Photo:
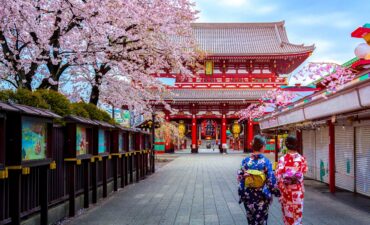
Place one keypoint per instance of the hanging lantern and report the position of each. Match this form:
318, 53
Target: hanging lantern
362, 51
236, 129
182, 129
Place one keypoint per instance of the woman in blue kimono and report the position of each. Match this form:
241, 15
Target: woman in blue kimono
257, 196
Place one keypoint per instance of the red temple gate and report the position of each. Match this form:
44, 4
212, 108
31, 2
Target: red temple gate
243, 62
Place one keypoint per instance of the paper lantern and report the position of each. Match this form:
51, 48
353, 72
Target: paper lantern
236, 129
362, 50
182, 129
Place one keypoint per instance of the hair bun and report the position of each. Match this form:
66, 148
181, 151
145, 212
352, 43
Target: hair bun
258, 142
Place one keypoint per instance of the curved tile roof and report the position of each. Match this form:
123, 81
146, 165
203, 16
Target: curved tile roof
245, 39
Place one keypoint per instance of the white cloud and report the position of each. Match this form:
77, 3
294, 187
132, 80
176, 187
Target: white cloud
236, 7
336, 20
263, 10
233, 3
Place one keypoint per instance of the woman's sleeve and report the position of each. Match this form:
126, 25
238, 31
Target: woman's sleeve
279, 169
303, 165
241, 178
271, 180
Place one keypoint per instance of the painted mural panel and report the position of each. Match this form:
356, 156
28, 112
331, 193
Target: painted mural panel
120, 142
102, 145
34, 139
131, 142
81, 141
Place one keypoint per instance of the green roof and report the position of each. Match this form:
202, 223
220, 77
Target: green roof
350, 62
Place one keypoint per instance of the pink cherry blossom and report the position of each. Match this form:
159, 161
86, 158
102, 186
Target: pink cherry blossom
106, 49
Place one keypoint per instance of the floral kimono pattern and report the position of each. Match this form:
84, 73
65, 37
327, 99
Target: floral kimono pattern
289, 173
256, 200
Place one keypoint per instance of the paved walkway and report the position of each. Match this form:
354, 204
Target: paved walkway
201, 189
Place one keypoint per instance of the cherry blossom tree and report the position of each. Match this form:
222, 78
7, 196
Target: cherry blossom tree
111, 47
155, 36
329, 75
41, 39
270, 101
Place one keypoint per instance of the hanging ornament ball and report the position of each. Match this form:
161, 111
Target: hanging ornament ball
362, 50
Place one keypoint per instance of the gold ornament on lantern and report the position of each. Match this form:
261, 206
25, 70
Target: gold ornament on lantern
236, 129
182, 129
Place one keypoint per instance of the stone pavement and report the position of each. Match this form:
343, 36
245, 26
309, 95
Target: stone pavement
201, 189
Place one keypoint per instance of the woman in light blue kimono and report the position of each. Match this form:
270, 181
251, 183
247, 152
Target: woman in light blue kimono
257, 199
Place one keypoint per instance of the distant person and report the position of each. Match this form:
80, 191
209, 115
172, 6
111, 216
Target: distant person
290, 171
257, 183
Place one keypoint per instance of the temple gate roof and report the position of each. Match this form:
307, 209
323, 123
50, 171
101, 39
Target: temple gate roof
231, 39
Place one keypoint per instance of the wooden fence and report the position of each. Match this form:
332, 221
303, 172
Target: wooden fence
71, 180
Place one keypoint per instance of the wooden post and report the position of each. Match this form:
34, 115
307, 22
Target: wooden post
125, 166
105, 185
331, 157
137, 166
71, 168
152, 157
94, 181
115, 172
43, 195
194, 144
131, 168
86, 165
15, 196
145, 159
122, 170
141, 165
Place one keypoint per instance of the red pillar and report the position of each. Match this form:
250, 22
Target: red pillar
300, 142
276, 147
223, 133
246, 147
194, 144
250, 134
331, 157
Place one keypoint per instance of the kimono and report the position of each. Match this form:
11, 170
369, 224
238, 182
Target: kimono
289, 173
257, 200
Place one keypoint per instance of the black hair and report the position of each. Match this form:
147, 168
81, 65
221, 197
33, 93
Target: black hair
258, 142
291, 143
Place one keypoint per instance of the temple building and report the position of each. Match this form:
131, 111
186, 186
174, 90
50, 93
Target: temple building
243, 61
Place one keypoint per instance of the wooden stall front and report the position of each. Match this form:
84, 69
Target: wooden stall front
28, 157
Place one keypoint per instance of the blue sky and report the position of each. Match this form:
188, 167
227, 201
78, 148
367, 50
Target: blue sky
326, 23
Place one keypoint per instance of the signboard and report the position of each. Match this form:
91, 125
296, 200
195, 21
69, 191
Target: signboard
102, 147
120, 142
122, 117
34, 136
81, 140
208, 67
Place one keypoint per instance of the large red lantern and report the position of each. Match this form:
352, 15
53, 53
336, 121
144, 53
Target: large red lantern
208, 129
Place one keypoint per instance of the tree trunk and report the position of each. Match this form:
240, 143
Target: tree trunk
94, 96
95, 90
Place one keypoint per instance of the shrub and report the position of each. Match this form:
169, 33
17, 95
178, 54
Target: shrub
57, 102
24, 97
97, 114
6, 95
78, 109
